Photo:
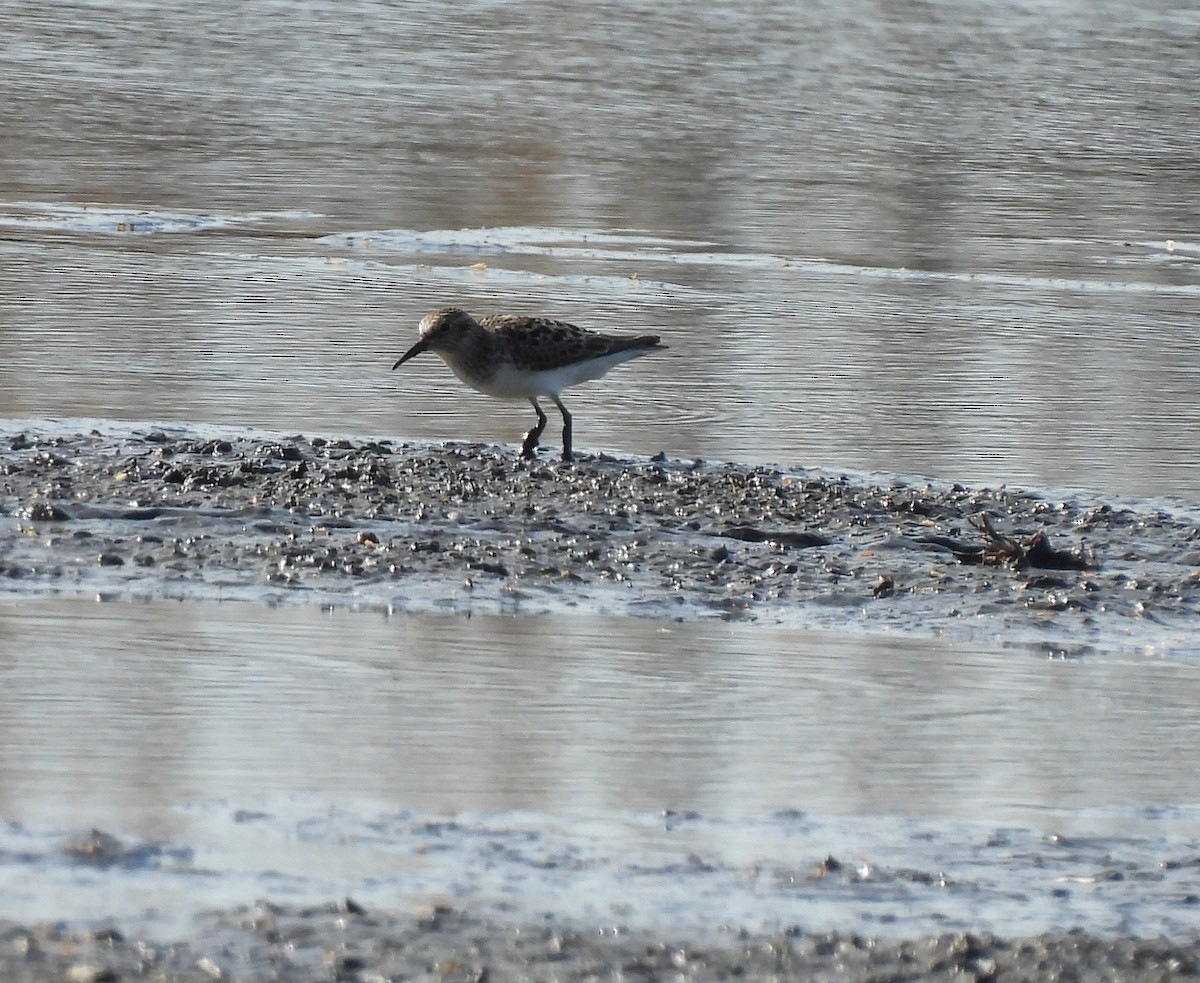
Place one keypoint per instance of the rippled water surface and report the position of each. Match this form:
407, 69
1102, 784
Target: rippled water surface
953, 240
655, 773
941, 239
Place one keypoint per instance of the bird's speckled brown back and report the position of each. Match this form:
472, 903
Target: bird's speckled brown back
549, 344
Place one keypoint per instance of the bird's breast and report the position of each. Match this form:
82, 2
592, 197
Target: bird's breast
483, 375
506, 381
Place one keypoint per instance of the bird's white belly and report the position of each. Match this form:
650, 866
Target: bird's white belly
509, 382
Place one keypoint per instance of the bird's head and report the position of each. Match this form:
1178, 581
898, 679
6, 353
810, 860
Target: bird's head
440, 331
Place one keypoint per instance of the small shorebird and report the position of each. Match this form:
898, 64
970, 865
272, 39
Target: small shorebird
524, 357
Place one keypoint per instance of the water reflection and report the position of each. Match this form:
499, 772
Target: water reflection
137, 709
939, 237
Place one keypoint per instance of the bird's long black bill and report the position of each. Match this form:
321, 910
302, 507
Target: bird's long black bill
416, 349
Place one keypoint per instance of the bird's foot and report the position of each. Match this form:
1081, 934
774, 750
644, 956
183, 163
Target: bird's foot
529, 447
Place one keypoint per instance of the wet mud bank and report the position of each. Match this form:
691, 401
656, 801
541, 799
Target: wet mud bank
347, 942
179, 513
129, 511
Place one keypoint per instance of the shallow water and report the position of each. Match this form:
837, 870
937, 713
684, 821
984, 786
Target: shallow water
939, 240
302, 754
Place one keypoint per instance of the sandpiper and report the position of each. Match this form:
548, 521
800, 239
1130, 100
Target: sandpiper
516, 357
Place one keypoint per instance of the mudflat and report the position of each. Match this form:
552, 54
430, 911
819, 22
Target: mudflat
346, 942
163, 513
151, 513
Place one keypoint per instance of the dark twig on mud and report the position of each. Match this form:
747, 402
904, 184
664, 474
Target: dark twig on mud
1034, 551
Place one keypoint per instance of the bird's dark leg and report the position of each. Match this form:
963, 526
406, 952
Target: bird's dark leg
567, 455
531, 438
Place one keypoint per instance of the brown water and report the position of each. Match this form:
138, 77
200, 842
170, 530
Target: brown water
946, 239
147, 706
666, 775
938, 239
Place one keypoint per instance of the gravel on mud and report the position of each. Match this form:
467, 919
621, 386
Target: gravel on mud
346, 942
181, 514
